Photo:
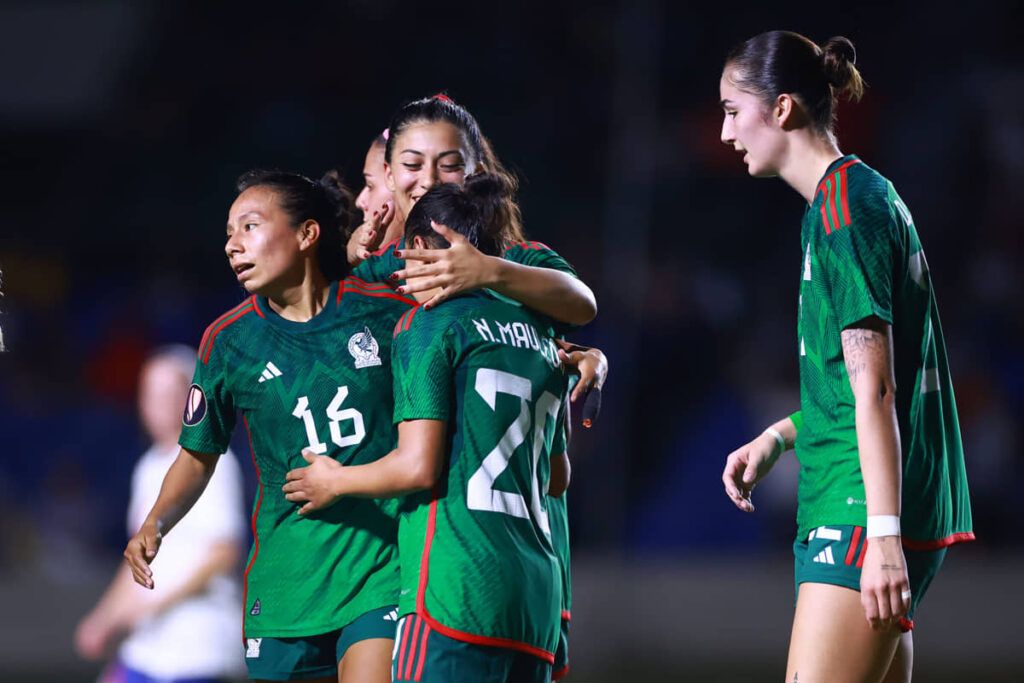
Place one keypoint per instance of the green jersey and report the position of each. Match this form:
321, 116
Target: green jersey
862, 257
324, 385
477, 559
558, 517
537, 254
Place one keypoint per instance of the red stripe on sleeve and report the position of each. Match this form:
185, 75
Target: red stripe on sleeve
853, 544
412, 314
224, 325
824, 214
833, 187
212, 326
843, 196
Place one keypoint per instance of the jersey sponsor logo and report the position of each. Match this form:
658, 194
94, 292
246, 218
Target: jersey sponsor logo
855, 501
252, 647
195, 406
364, 349
256, 608
269, 372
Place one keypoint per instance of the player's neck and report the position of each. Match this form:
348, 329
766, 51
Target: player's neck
396, 230
809, 157
301, 303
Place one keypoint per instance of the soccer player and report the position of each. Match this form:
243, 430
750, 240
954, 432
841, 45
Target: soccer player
882, 490
479, 400
306, 359
435, 140
377, 205
183, 630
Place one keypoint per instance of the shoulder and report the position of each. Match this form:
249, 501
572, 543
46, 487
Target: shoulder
229, 325
539, 255
854, 198
376, 295
428, 324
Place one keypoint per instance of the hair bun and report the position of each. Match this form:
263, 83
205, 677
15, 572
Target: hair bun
837, 59
488, 186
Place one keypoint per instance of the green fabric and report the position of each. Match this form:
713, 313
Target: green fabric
490, 370
325, 383
862, 257
824, 558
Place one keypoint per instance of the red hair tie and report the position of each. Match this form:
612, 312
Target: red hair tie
444, 98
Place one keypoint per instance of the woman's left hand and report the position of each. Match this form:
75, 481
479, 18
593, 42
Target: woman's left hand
459, 268
314, 484
590, 363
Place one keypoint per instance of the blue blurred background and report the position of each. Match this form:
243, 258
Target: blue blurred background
124, 124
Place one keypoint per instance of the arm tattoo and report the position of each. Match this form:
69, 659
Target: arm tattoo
866, 349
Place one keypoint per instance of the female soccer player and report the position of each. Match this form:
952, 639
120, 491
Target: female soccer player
882, 489
432, 141
306, 359
479, 397
377, 204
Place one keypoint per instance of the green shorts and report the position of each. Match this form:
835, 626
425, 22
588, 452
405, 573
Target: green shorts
834, 554
561, 667
285, 659
422, 654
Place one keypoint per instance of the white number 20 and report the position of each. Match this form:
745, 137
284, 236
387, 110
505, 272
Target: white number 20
480, 493
336, 416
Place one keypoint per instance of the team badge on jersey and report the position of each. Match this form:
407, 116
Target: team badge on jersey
364, 349
195, 406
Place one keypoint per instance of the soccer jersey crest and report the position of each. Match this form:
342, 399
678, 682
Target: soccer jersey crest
364, 349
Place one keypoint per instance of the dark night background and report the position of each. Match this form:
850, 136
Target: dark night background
124, 124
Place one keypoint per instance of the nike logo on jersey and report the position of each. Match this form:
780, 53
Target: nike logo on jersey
270, 372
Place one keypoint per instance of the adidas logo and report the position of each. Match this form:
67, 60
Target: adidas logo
392, 615
825, 556
270, 372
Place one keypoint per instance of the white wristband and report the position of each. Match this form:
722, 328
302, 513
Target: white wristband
778, 438
883, 525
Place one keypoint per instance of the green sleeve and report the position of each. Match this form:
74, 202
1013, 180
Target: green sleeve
422, 362
380, 265
797, 419
209, 416
538, 255
858, 263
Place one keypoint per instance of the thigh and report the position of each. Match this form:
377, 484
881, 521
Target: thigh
902, 666
363, 648
368, 661
832, 641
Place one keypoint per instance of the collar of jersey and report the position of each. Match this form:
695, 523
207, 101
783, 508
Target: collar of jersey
836, 164
318, 321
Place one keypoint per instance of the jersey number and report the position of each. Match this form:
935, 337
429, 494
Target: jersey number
336, 416
480, 493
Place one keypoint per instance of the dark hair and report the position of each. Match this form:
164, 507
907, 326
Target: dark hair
778, 62
482, 159
327, 201
473, 210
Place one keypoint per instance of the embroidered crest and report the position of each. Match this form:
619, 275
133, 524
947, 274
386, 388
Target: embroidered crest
364, 349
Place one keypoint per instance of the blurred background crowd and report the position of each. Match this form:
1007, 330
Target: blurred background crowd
124, 124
